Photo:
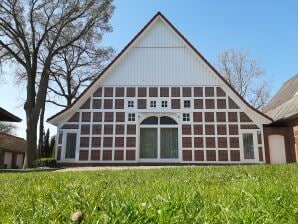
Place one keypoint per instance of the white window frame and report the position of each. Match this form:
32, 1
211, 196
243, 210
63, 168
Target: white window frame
189, 104
133, 103
164, 102
154, 103
132, 115
183, 117
255, 143
64, 140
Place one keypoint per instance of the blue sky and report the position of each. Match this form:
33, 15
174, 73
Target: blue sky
267, 29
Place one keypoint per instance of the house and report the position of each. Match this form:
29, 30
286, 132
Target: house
160, 102
12, 151
281, 139
12, 148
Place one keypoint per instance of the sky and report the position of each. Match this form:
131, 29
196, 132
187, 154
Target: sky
267, 29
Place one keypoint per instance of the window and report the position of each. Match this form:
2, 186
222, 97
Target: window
153, 103
186, 103
186, 117
248, 146
70, 151
130, 103
167, 120
150, 120
164, 103
131, 117
162, 120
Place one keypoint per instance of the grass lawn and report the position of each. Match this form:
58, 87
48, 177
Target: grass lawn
229, 194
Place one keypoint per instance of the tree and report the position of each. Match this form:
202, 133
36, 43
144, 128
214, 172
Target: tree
33, 32
246, 75
52, 146
7, 128
48, 146
74, 68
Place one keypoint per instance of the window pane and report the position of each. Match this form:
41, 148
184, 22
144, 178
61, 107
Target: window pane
167, 120
71, 145
150, 120
248, 146
168, 143
186, 103
148, 143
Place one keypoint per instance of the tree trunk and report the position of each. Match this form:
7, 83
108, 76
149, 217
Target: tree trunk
41, 131
31, 145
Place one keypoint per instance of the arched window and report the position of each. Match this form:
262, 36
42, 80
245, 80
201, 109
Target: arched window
150, 120
162, 120
167, 120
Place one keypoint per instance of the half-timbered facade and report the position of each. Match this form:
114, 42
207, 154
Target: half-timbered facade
160, 101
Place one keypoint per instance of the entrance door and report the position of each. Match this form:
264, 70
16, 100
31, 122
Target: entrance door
8, 159
148, 143
71, 145
159, 139
169, 143
277, 149
249, 146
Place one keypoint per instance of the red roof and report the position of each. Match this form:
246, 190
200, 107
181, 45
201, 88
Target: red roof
189, 44
12, 143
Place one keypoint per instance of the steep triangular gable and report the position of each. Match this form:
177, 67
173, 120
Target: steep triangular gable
157, 39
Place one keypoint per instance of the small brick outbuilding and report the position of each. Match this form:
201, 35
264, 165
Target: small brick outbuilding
281, 136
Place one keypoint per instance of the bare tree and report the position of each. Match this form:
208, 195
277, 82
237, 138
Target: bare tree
33, 32
7, 128
74, 68
246, 75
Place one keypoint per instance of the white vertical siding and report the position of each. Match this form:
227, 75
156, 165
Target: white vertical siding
160, 57
160, 66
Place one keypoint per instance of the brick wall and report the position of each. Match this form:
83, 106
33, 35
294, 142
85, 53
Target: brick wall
212, 134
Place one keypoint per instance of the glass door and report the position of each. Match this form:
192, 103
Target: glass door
159, 139
71, 145
148, 143
249, 146
169, 143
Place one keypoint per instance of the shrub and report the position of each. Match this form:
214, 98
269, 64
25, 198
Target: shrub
44, 162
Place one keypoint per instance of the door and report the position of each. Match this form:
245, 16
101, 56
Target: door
20, 159
169, 143
148, 143
249, 152
159, 139
248, 146
71, 145
7, 159
277, 149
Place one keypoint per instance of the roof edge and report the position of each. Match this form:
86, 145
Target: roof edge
12, 116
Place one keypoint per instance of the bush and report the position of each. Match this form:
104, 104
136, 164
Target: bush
44, 162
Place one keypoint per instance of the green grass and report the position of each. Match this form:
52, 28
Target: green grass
229, 194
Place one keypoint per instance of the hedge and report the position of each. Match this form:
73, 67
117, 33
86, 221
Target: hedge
44, 162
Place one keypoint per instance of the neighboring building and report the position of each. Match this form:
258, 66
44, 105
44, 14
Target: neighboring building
160, 102
12, 149
8, 117
282, 140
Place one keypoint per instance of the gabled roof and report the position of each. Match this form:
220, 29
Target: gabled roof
6, 116
159, 14
12, 143
284, 103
